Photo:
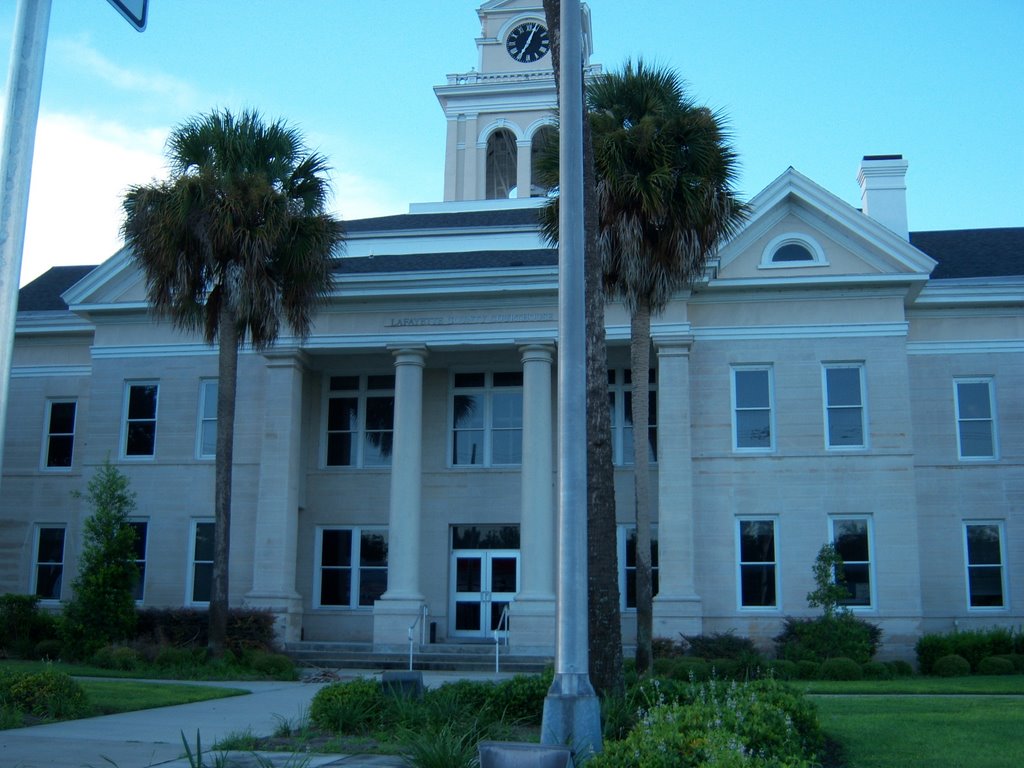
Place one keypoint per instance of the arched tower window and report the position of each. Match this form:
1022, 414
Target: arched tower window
538, 146
501, 164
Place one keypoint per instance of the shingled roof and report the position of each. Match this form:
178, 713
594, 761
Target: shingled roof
458, 261
973, 252
454, 220
43, 293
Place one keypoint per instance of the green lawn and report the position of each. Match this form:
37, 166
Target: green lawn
925, 731
976, 684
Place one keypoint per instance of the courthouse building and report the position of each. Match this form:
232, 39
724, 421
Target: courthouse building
832, 376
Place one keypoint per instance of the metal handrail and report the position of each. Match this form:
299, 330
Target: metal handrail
502, 621
421, 619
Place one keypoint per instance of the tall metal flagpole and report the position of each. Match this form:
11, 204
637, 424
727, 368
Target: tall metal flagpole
572, 712
24, 86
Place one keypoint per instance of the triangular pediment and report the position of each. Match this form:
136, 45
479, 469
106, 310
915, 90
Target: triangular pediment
834, 241
116, 283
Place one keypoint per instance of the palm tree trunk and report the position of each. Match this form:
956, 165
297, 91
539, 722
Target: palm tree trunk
604, 633
640, 362
227, 359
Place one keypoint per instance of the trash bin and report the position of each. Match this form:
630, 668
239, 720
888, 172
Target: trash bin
512, 754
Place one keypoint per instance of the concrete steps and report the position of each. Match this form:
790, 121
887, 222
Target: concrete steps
448, 657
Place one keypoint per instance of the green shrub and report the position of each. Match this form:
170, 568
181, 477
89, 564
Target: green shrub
116, 657
900, 668
825, 637
183, 659
23, 626
47, 650
719, 645
876, 670
1017, 659
840, 668
783, 669
974, 645
808, 670
688, 668
951, 666
353, 707
274, 665
48, 694
995, 665
664, 648
463, 699
521, 699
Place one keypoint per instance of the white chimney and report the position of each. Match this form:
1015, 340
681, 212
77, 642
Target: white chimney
883, 191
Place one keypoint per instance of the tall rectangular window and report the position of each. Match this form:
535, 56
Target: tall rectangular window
141, 528
206, 428
487, 419
59, 445
975, 425
200, 562
49, 565
844, 405
757, 564
852, 539
351, 567
752, 408
984, 555
620, 408
627, 571
360, 421
139, 434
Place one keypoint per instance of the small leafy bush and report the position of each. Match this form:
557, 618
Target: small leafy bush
719, 645
47, 650
973, 645
117, 657
665, 648
841, 668
521, 699
951, 666
48, 694
877, 670
900, 668
783, 669
808, 670
353, 707
687, 668
995, 665
174, 658
248, 628
1017, 659
825, 637
461, 699
275, 665
23, 626
447, 746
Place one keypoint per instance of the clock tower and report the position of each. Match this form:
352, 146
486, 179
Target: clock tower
500, 113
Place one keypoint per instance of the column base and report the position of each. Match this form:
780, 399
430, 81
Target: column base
286, 608
532, 626
676, 615
392, 618
572, 716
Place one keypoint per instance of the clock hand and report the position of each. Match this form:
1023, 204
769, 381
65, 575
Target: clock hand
530, 38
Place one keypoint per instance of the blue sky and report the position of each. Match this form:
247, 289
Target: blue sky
815, 85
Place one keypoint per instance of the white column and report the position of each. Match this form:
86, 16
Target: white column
277, 506
532, 624
399, 606
524, 170
677, 608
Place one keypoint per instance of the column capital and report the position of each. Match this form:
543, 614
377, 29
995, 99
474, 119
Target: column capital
286, 357
671, 344
409, 354
537, 351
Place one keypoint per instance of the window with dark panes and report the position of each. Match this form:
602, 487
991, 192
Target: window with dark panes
360, 421
852, 540
985, 588
757, 564
60, 434
620, 407
140, 420
206, 440
975, 426
141, 529
352, 567
627, 588
487, 419
201, 562
49, 567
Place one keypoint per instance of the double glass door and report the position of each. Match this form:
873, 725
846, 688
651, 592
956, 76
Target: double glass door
484, 582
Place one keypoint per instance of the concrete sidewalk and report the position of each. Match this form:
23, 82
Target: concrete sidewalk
152, 737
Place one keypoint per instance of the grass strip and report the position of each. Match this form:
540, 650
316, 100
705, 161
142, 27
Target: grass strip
978, 684
925, 731
109, 697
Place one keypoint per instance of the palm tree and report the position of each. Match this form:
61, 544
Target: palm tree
665, 171
234, 242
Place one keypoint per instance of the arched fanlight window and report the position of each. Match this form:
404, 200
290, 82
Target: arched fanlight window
501, 164
793, 249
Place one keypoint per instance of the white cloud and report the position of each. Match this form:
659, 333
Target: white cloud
80, 172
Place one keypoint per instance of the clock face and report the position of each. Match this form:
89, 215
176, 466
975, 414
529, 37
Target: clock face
528, 42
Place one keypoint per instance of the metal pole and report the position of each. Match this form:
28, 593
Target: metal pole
24, 86
572, 712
